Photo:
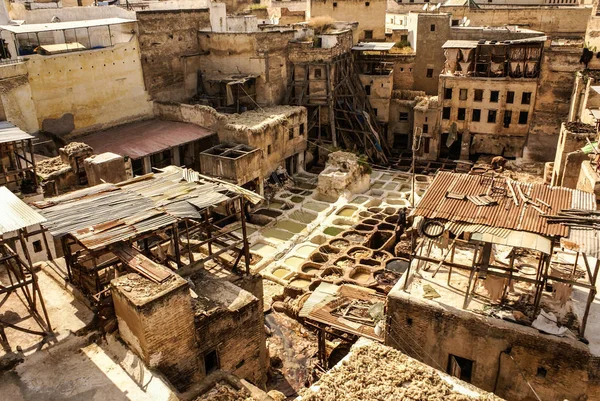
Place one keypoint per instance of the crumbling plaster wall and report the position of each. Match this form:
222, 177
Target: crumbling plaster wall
370, 15
272, 139
19, 12
167, 39
257, 53
570, 371
16, 97
83, 91
381, 93
553, 100
401, 119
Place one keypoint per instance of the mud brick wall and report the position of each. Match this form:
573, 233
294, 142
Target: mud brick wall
239, 339
160, 329
557, 368
166, 37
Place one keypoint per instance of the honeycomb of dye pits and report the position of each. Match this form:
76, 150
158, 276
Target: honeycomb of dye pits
343, 222
371, 222
355, 237
332, 274
375, 209
285, 195
260, 219
277, 205
359, 252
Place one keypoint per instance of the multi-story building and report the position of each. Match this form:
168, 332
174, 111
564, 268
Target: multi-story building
488, 92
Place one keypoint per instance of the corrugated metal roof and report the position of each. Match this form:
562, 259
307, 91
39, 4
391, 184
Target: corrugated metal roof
10, 133
16, 214
504, 214
109, 213
144, 138
58, 26
583, 239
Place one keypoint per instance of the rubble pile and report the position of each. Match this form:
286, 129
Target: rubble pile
225, 392
343, 172
376, 372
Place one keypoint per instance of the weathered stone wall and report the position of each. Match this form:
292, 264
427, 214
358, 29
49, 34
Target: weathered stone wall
553, 21
370, 15
167, 37
553, 101
259, 53
159, 329
557, 368
489, 137
17, 102
272, 139
428, 46
381, 93
306, 52
79, 92
403, 71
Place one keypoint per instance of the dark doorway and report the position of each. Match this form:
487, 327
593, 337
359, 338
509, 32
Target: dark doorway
452, 151
460, 367
211, 362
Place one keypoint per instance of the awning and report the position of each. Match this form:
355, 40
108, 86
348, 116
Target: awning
16, 214
60, 26
10, 133
374, 46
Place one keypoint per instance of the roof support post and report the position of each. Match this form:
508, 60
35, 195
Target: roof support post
591, 296
244, 234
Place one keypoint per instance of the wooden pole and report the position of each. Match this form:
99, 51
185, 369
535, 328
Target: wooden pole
591, 296
244, 235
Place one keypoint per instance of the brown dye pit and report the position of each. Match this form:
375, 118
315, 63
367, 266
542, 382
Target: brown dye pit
355, 238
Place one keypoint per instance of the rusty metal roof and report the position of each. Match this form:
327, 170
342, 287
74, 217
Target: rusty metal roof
144, 138
320, 306
10, 133
109, 213
16, 214
505, 213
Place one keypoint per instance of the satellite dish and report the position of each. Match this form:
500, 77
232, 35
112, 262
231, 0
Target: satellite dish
432, 7
468, 22
438, 6
464, 19
425, 7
